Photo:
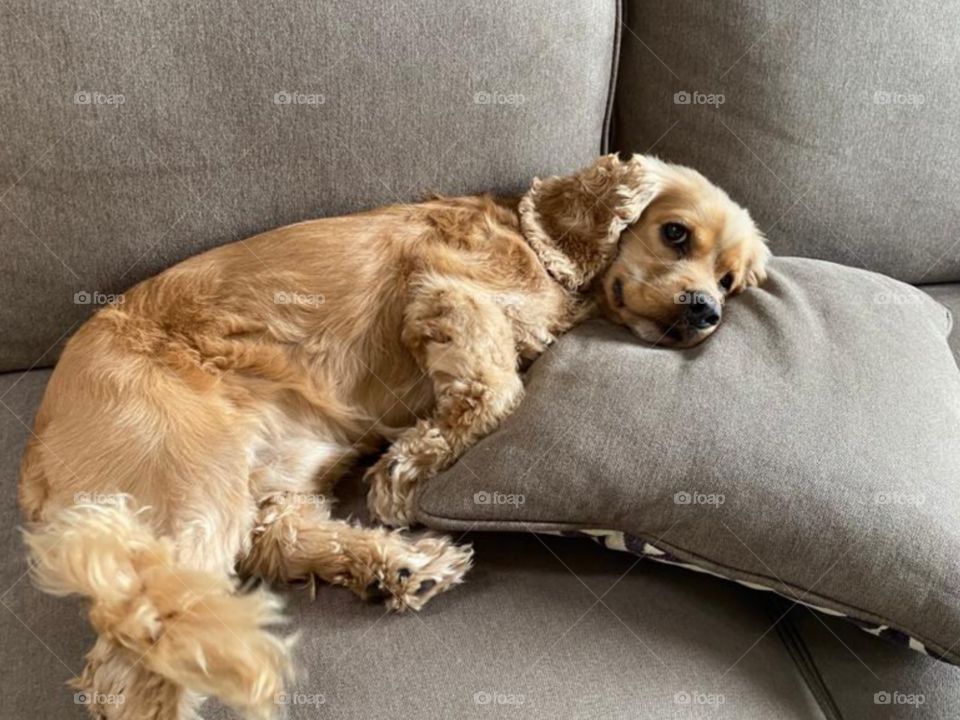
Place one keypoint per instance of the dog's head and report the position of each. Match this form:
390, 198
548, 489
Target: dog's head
661, 245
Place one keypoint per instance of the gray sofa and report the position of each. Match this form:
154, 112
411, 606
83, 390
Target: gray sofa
821, 133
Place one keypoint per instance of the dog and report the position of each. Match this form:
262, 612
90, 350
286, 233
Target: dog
197, 429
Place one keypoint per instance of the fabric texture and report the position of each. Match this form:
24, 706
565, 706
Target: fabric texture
948, 295
526, 622
837, 127
241, 117
809, 447
863, 678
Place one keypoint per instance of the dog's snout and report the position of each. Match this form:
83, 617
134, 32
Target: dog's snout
703, 311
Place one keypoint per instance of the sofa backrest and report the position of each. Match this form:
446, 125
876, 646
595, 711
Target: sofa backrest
838, 126
135, 135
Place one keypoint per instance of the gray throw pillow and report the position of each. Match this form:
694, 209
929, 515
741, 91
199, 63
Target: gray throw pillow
811, 447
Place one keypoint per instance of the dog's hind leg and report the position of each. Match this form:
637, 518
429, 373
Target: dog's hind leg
164, 473
468, 350
295, 541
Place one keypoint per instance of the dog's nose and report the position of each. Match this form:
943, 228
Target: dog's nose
703, 311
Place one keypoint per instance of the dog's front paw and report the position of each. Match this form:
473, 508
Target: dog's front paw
390, 499
393, 479
413, 572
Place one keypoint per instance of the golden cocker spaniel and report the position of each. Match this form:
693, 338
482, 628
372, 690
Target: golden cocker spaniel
199, 427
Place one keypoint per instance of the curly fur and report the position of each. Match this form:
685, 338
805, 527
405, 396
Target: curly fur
188, 627
213, 406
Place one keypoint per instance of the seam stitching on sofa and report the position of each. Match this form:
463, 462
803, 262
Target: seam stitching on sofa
620, 17
800, 654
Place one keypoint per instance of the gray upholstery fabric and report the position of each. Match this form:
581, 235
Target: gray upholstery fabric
800, 138
847, 669
948, 295
528, 621
825, 411
94, 197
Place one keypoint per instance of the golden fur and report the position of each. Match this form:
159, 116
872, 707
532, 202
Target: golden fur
205, 416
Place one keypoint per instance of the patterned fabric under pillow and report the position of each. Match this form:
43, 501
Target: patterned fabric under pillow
616, 540
810, 448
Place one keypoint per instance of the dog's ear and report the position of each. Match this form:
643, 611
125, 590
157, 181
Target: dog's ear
574, 222
751, 270
757, 261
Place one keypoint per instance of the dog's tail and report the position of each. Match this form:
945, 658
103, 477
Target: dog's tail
188, 626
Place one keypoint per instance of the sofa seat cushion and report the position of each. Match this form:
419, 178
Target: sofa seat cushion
572, 629
859, 677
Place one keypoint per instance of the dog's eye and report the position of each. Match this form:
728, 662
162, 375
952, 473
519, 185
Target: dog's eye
726, 282
675, 234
